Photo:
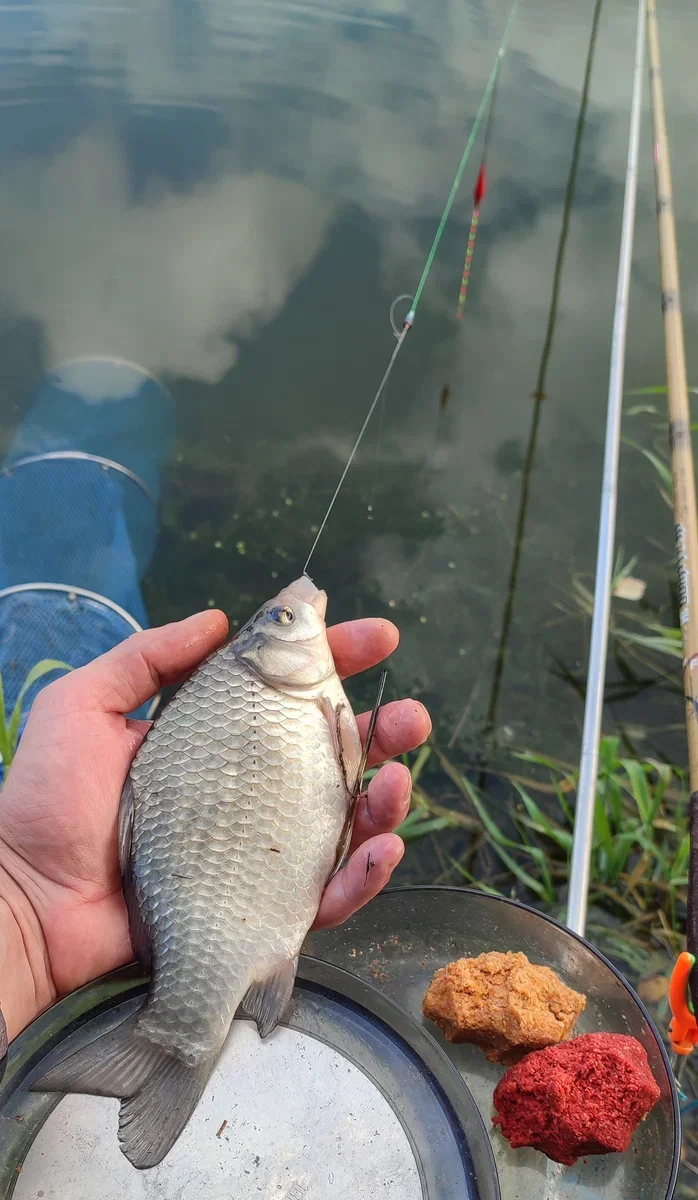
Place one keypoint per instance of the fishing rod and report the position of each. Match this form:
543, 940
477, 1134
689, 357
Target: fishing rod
408, 321
539, 393
580, 867
478, 197
684, 986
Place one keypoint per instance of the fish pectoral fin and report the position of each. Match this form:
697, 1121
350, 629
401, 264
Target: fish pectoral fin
158, 1092
344, 840
267, 1000
140, 938
125, 823
347, 747
345, 741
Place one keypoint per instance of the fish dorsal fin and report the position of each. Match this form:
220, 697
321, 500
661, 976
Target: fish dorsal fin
267, 1000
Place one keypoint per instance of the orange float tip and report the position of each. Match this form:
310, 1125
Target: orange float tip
683, 1028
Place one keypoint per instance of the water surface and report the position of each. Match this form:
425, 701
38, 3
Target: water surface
232, 194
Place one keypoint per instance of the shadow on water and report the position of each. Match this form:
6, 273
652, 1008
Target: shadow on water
232, 197
538, 397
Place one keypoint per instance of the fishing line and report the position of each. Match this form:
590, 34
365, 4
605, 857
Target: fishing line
466, 155
396, 330
408, 322
357, 443
379, 445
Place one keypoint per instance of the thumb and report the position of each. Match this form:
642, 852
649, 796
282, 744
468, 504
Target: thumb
135, 670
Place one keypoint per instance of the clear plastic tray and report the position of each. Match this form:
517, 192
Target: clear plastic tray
349, 1098
402, 937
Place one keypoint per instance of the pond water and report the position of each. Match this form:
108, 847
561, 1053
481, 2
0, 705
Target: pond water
232, 194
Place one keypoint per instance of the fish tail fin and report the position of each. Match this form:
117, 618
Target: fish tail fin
158, 1092
151, 1120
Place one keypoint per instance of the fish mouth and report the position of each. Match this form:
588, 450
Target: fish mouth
304, 589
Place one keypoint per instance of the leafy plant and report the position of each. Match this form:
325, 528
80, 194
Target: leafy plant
641, 839
662, 468
663, 639
658, 456
9, 726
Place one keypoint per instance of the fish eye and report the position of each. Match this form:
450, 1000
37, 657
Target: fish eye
283, 616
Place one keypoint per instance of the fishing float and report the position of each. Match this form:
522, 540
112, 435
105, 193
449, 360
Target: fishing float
409, 319
478, 197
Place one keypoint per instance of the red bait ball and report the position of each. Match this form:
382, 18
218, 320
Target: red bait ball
585, 1096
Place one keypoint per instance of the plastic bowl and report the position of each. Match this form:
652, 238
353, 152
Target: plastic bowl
403, 936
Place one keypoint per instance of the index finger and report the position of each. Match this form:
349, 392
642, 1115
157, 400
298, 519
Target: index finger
358, 645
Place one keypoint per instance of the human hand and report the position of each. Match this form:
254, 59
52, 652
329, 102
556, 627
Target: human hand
63, 919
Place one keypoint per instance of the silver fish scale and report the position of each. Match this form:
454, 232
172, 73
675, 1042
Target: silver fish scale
239, 802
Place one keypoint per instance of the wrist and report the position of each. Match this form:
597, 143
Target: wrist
26, 983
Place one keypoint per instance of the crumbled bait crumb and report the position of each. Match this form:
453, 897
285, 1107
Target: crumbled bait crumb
502, 1003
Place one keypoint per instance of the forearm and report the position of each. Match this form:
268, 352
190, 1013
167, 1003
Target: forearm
26, 985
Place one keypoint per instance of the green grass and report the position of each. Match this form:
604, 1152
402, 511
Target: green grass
10, 723
520, 843
640, 848
638, 630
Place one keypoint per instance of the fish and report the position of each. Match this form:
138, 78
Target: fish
445, 396
237, 809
